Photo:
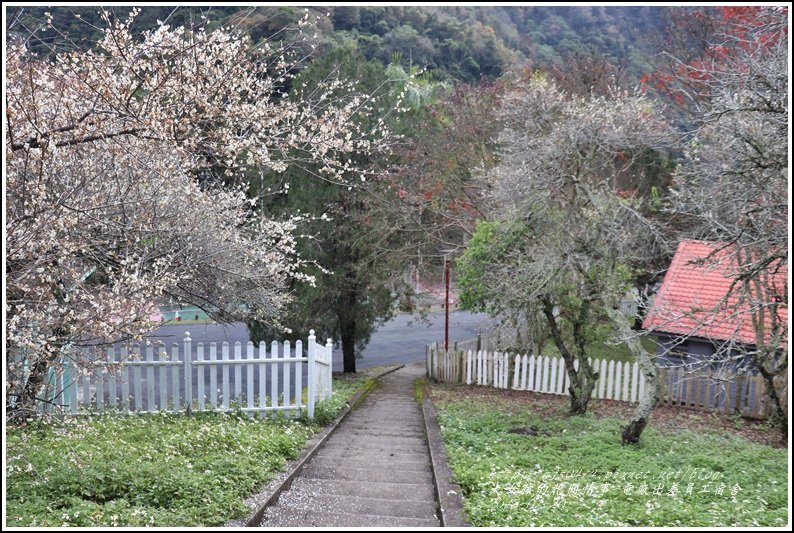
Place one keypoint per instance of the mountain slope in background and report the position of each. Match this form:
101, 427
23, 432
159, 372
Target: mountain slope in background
459, 43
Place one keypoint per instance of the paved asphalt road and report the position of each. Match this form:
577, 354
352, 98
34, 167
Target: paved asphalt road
401, 340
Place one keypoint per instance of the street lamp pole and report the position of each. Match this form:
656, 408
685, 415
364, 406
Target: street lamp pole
446, 253
446, 304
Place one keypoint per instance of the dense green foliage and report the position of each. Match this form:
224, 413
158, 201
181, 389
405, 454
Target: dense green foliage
469, 43
513, 480
491, 240
458, 42
345, 239
151, 470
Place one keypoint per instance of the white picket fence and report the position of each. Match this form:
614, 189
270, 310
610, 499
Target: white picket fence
149, 379
531, 373
701, 390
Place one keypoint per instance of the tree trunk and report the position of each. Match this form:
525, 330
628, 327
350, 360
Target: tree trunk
779, 414
581, 390
25, 407
648, 371
348, 335
582, 381
347, 326
767, 327
631, 433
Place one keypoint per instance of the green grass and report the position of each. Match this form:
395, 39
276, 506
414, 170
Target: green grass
604, 350
158, 470
517, 480
419, 390
601, 349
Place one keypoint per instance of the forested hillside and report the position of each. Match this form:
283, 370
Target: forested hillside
471, 42
457, 43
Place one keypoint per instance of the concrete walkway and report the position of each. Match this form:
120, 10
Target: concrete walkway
374, 470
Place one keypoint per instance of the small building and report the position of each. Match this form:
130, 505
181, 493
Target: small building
696, 316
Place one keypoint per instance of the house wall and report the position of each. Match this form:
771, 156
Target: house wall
693, 352
698, 353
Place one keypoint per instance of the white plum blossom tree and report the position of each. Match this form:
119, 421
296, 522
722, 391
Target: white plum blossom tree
733, 183
568, 230
122, 167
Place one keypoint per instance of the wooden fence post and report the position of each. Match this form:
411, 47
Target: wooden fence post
662, 385
112, 395
187, 354
298, 376
225, 377
329, 347
70, 377
285, 392
199, 377
150, 405
311, 375
249, 378
136, 377
274, 376
125, 381
176, 397
163, 374
238, 373
213, 369
263, 380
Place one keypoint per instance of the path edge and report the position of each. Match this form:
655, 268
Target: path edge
448, 493
282, 482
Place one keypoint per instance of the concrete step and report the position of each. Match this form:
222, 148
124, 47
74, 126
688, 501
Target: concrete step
393, 401
415, 424
352, 446
308, 501
391, 417
418, 492
418, 421
392, 433
366, 475
384, 455
390, 398
394, 410
384, 410
385, 426
291, 517
343, 434
373, 461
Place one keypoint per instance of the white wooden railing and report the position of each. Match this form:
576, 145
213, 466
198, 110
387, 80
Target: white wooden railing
150, 379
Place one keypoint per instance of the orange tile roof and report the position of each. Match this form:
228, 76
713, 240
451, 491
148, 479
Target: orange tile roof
692, 299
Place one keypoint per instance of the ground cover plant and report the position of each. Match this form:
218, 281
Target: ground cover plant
152, 469
573, 471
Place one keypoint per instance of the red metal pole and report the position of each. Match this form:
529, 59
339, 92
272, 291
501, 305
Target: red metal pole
446, 305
